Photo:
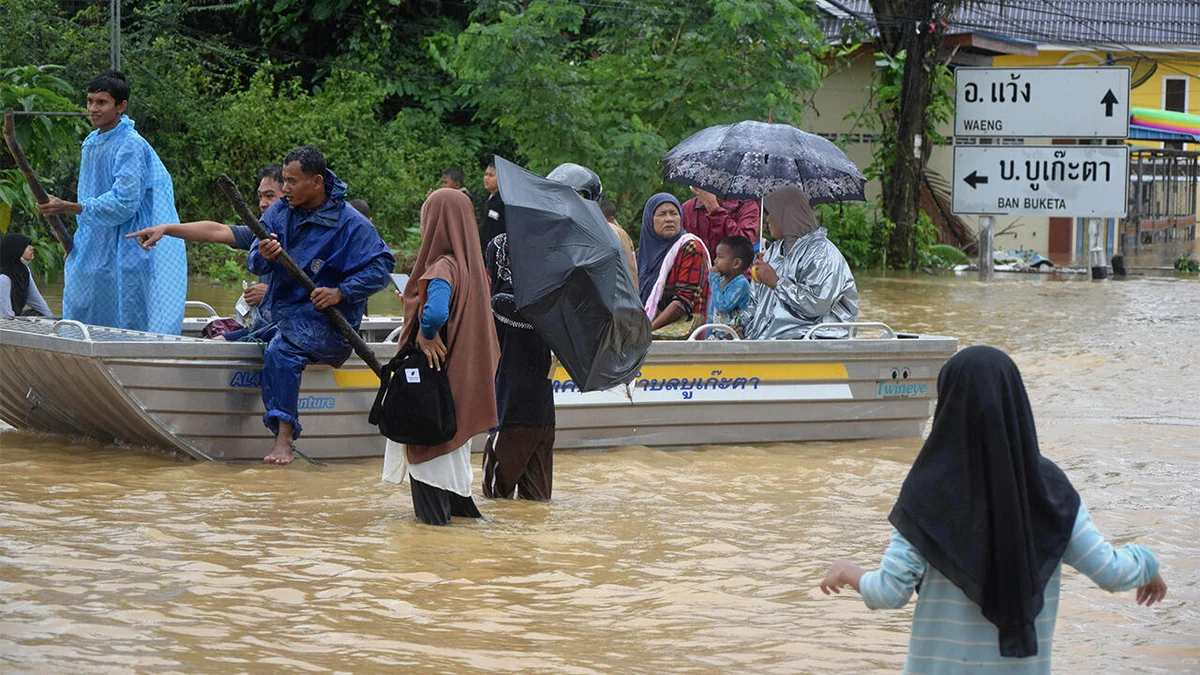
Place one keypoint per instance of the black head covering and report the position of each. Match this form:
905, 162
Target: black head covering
12, 247
981, 503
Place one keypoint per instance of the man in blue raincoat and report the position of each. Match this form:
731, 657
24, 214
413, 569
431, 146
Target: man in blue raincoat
123, 188
339, 249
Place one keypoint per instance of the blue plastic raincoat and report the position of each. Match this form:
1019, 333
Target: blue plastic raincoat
337, 247
110, 280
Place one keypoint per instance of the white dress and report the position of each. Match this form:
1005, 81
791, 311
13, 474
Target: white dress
451, 471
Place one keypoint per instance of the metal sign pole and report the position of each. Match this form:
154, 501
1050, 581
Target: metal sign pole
114, 34
987, 235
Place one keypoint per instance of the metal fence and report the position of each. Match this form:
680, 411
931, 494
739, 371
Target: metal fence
1163, 190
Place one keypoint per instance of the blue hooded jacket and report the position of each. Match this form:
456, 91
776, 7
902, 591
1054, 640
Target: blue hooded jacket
110, 280
337, 247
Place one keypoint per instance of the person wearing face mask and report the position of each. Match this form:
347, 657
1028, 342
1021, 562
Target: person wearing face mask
672, 270
17, 289
801, 279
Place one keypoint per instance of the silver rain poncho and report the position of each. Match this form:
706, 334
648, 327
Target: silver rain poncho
815, 286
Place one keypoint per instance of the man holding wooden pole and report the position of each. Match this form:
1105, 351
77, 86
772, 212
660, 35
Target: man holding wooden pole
123, 187
341, 252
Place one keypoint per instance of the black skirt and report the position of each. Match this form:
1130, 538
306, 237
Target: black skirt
434, 506
524, 393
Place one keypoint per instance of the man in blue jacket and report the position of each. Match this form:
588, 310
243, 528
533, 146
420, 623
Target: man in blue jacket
339, 249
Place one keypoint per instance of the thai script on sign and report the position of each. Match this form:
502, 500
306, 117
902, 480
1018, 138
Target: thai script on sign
685, 385
1056, 170
1001, 92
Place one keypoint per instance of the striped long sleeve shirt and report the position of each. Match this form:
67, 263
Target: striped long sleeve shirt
949, 632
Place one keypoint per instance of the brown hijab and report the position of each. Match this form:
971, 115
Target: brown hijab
790, 210
450, 251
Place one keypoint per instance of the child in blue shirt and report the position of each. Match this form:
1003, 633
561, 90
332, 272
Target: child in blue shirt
729, 289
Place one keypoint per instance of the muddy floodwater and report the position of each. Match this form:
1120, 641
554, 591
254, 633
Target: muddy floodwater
703, 561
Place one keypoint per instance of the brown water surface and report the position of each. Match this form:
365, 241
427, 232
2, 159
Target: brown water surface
646, 562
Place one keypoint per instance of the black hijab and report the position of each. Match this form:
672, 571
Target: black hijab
12, 247
981, 503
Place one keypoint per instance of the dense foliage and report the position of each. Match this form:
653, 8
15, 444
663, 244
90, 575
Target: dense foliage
396, 90
48, 143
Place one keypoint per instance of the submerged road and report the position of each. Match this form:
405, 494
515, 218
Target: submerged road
703, 561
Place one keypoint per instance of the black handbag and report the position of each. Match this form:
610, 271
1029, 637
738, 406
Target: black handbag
414, 404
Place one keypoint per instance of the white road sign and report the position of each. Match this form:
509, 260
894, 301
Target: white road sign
1047, 102
1057, 180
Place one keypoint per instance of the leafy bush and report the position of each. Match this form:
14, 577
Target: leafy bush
390, 163
47, 142
1187, 265
942, 256
858, 231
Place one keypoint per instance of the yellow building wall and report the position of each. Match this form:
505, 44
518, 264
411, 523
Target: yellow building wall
1146, 95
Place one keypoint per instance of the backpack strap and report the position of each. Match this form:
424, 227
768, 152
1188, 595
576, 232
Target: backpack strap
385, 382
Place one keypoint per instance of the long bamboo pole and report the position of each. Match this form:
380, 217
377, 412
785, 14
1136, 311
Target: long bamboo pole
57, 227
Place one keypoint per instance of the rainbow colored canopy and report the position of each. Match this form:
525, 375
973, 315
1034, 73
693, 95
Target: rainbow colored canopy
1166, 121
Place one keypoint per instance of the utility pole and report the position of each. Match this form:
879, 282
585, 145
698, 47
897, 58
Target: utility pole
912, 27
114, 34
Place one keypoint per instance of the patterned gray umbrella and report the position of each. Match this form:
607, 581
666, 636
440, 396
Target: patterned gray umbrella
749, 160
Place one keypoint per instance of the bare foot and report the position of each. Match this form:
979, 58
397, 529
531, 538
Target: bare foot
280, 454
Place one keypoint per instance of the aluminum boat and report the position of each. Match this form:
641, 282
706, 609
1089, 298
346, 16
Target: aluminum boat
201, 397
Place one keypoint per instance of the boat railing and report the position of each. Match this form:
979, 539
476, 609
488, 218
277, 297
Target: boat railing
81, 327
394, 336
852, 327
717, 327
196, 304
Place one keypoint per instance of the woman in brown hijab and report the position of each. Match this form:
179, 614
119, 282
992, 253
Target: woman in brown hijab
448, 301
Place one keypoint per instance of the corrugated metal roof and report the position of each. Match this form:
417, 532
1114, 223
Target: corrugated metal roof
1094, 23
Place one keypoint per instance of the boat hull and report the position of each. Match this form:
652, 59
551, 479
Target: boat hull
201, 397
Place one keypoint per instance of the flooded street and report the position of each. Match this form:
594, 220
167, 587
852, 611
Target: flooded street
704, 561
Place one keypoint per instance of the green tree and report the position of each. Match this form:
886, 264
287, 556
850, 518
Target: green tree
909, 33
614, 86
47, 141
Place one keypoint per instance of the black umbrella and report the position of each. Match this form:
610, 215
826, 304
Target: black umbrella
749, 160
570, 279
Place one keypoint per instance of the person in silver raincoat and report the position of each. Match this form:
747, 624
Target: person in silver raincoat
802, 279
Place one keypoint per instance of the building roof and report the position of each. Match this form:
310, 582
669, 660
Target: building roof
1104, 24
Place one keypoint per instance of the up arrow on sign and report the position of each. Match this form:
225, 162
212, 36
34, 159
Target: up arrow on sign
1109, 101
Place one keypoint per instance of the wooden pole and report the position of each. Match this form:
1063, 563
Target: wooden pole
987, 237
335, 317
57, 227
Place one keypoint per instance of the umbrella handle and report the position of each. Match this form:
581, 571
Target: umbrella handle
762, 210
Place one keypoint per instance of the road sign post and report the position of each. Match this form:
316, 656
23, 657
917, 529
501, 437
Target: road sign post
987, 238
1042, 102
1064, 180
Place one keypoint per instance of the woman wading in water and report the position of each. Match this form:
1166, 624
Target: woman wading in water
448, 289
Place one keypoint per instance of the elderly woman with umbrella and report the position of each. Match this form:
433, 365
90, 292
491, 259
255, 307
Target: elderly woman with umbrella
802, 279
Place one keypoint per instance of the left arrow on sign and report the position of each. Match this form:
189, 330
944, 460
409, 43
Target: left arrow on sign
1109, 100
974, 179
